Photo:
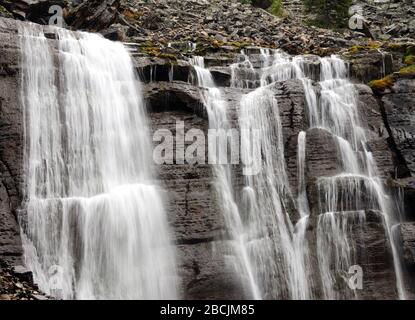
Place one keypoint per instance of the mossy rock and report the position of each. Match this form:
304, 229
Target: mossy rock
240, 45
370, 46
409, 60
382, 84
410, 50
404, 48
4, 13
167, 56
407, 71
355, 49
397, 47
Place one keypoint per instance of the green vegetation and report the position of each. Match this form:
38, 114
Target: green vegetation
5, 13
409, 60
388, 81
407, 71
405, 48
276, 8
371, 45
329, 13
237, 44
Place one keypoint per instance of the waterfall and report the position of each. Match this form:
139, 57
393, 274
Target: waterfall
271, 244
95, 226
358, 187
302, 201
218, 120
271, 235
270, 252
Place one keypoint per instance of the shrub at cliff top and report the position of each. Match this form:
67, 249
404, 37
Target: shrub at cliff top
329, 13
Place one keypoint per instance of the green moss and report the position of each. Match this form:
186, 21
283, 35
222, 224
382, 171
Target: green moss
240, 45
409, 60
147, 43
382, 84
329, 14
5, 13
150, 48
371, 45
168, 56
397, 47
410, 50
356, 49
151, 51
277, 9
407, 71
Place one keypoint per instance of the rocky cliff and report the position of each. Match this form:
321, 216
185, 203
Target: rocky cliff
159, 33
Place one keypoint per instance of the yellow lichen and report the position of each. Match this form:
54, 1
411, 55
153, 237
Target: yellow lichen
131, 15
382, 84
237, 44
168, 56
356, 49
371, 45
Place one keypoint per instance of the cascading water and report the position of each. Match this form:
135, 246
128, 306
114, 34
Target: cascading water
218, 120
270, 240
276, 251
358, 187
94, 226
302, 201
269, 251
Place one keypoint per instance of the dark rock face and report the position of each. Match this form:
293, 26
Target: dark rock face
407, 231
366, 67
11, 143
375, 258
93, 15
399, 106
398, 113
378, 144
198, 226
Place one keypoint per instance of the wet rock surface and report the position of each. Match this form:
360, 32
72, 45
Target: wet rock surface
11, 143
220, 29
399, 108
407, 231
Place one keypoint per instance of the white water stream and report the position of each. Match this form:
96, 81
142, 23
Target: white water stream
95, 224
272, 252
